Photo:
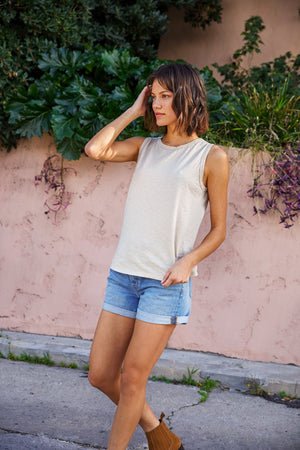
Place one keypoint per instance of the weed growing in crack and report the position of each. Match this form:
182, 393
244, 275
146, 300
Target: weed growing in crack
205, 387
255, 388
35, 359
72, 366
25, 357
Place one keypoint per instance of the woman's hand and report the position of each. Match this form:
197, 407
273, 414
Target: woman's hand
179, 272
139, 106
104, 145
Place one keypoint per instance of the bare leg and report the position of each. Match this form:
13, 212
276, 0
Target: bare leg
111, 340
146, 345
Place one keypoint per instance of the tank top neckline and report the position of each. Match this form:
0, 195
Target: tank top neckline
176, 147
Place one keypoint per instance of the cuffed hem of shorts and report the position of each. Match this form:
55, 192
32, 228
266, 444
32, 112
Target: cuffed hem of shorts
119, 311
161, 320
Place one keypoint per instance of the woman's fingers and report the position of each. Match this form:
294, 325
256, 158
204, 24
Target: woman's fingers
141, 101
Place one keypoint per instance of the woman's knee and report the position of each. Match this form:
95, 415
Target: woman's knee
96, 379
132, 381
101, 380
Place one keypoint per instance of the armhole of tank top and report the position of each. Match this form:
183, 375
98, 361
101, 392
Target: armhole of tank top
202, 167
147, 139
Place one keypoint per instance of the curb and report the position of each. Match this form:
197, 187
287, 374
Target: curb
232, 373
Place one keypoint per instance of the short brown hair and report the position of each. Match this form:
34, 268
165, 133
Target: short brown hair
189, 102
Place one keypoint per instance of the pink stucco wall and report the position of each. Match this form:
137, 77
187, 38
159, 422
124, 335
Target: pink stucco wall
220, 40
52, 277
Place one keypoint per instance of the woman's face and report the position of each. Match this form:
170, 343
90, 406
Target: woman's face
162, 101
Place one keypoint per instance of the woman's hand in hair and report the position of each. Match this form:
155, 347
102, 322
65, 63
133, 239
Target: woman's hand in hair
179, 272
140, 104
104, 145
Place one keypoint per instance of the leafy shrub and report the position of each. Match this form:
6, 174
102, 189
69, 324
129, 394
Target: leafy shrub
200, 13
271, 74
79, 93
263, 101
29, 28
264, 119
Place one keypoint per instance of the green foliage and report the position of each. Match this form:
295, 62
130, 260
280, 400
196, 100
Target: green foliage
205, 387
138, 25
234, 75
282, 394
27, 29
72, 366
36, 32
72, 88
203, 12
30, 109
253, 27
272, 74
264, 118
215, 99
80, 92
26, 357
262, 101
188, 379
76, 101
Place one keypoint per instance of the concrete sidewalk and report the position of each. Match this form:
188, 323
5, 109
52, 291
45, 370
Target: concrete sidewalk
54, 408
230, 372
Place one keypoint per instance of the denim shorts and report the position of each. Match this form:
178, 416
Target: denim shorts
146, 299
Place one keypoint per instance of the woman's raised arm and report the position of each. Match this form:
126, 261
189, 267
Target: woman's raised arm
103, 145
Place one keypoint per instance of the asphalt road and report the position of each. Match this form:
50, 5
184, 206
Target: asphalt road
55, 408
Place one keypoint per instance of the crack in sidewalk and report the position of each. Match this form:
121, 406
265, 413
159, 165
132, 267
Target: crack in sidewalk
170, 416
42, 435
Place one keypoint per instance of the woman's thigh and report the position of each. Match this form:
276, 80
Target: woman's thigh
111, 340
146, 346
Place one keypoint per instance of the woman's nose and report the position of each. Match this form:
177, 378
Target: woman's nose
156, 103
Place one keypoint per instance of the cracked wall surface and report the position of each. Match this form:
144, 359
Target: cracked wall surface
53, 275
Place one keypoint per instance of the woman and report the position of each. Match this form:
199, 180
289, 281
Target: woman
149, 286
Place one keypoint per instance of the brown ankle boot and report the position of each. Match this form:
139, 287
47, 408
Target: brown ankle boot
161, 438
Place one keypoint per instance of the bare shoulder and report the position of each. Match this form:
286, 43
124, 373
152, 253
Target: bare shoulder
217, 160
217, 155
216, 166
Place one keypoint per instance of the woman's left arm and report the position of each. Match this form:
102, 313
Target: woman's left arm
216, 175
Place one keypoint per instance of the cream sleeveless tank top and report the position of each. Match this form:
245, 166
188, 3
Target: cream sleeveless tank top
165, 205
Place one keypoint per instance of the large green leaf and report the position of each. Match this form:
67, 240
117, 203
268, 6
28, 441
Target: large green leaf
37, 119
15, 105
122, 65
31, 114
73, 147
64, 60
63, 126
